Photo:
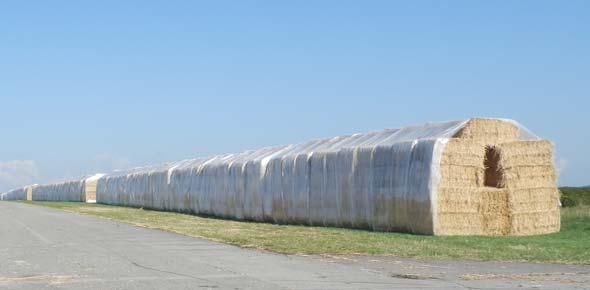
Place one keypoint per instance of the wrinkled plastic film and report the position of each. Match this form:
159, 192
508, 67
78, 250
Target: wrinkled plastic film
385, 180
374, 180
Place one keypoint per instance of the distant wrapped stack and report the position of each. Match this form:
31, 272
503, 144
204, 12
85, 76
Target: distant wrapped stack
77, 189
16, 194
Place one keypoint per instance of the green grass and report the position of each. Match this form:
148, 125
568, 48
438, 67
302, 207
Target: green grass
571, 245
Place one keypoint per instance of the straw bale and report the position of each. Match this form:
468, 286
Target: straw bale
462, 163
459, 224
535, 222
494, 211
493, 130
457, 212
457, 200
90, 190
535, 211
526, 153
29, 191
515, 181
473, 211
461, 176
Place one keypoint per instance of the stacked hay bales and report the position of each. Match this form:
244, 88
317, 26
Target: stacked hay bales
493, 183
530, 178
377, 180
469, 177
448, 178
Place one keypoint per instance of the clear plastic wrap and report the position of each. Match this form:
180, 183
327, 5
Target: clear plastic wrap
385, 180
380, 180
15, 194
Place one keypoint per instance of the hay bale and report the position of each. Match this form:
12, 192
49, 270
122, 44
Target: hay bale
29, 191
492, 130
494, 211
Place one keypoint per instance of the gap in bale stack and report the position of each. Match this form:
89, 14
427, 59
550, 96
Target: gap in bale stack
494, 175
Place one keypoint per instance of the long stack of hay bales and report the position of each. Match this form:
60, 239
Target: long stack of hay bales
438, 178
146, 187
378, 180
16, 194
470, 177
77, 189
70, 190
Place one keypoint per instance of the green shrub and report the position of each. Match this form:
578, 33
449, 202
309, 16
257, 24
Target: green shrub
573, 196
567, 201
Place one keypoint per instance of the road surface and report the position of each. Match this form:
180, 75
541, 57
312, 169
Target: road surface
43, 248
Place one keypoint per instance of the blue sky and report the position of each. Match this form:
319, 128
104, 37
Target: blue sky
89, 86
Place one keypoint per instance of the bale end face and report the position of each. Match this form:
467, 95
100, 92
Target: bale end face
501, 187
90, 191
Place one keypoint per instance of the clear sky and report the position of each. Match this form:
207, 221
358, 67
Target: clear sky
89, 86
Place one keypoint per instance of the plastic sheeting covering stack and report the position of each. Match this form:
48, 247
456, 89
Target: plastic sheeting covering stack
379, 180
387, 180
470, 177
16, 194
71, 190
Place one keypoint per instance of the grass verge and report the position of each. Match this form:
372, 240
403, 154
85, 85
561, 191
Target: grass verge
571, 245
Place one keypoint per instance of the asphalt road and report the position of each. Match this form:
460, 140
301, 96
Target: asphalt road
42, 248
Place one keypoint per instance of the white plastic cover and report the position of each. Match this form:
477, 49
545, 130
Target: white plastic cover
16, 194
345, 181
381, 180
70, 190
